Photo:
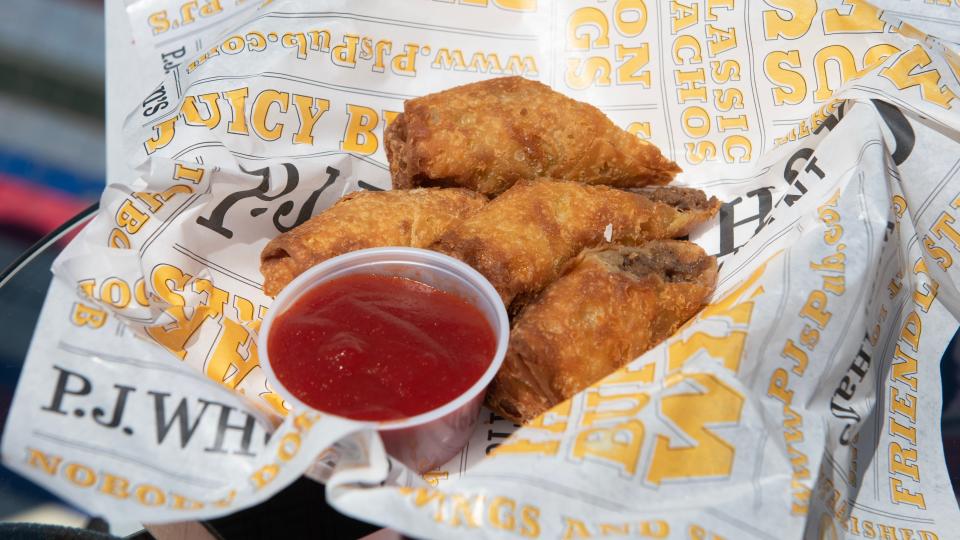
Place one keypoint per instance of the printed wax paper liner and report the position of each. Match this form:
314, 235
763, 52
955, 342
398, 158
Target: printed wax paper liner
803, 402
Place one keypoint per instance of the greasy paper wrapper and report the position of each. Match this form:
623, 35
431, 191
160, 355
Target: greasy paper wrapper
803, 402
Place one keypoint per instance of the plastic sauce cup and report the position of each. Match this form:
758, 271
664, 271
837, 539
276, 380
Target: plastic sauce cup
432, 438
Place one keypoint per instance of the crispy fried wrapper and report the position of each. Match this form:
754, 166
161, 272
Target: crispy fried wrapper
364, 219
488, 135
611, 306
521, 240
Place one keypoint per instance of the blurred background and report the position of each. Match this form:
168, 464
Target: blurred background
52, 150
52, 163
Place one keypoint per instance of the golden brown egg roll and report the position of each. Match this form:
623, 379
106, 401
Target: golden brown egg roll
364, 219
521, 240
610, 306
488, 135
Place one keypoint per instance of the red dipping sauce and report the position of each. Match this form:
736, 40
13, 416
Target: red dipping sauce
373, 347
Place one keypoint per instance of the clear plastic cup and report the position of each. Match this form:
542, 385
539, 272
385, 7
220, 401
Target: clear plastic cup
432, 438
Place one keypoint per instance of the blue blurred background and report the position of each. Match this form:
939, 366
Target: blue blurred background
52, 150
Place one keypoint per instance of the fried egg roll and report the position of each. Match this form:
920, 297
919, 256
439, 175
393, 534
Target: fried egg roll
364, 219
521, 240
611, 306
488, 135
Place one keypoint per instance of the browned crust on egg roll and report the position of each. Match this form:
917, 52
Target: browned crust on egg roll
521, 240
486, 136
610, 306
364, 219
